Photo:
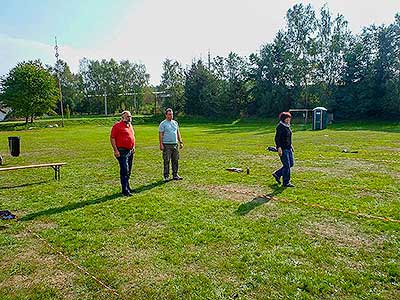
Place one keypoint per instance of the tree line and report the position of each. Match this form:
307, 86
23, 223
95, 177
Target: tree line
315, 60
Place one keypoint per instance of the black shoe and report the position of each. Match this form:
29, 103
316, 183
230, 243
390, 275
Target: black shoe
177, 177
288, 185
278, 180
127, 194
166, 179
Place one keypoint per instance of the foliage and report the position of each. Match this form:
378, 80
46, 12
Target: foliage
29, 90
122, 83
173, 84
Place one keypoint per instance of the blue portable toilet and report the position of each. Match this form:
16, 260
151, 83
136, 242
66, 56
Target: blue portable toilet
320, 118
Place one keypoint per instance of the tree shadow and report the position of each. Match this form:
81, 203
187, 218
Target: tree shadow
147, 187
69, 207
23, 185
247, 207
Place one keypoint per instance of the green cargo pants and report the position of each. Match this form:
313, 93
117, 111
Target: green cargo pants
170, 153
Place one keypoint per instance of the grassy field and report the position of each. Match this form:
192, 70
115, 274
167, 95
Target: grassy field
208, 236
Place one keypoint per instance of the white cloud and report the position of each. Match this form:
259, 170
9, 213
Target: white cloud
13, 50
188, 29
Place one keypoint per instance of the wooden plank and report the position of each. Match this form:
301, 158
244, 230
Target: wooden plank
32, 166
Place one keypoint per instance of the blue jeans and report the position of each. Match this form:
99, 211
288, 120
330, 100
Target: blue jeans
125, 167
287, 160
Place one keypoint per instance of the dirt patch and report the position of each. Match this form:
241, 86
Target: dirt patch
39, 226
358, 164
270, 214
344, 168
376, 195
342, 234
36, 227
391, 149
248, 198
139, 267
32, 264
231, 192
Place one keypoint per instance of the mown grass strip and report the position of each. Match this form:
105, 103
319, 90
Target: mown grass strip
76, 265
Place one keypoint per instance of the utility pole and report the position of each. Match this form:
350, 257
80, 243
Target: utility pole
134, 103
105, 103
155, 103
59, 81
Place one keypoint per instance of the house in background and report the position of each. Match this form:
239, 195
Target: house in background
3, 113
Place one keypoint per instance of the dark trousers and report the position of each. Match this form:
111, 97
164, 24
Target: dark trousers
125, 167
287, 162
170, 153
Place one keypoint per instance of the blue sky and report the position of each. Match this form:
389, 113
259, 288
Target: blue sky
149, 31
79, 23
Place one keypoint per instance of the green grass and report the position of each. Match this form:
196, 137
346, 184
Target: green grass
193, 239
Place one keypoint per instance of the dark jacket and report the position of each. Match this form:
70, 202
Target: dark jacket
283, 137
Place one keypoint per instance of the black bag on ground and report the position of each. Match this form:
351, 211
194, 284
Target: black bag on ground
6, 215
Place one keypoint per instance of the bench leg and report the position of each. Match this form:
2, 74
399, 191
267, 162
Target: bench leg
56, 172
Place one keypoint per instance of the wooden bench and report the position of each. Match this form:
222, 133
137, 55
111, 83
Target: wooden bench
55, 166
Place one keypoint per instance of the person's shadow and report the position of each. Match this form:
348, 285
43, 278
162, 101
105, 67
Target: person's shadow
77, 205
69, 207
247, 207
147, 187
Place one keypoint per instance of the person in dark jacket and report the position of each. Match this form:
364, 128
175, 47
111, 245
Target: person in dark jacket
283, 141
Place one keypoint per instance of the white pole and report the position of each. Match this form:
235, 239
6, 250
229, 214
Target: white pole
105, 103
59, 83
134, 103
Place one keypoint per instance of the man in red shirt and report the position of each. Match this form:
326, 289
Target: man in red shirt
122, 139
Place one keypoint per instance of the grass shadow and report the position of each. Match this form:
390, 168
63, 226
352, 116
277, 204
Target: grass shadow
69, 207
22, 185
247, 207
147, 187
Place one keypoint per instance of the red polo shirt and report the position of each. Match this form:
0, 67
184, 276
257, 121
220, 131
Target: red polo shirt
123, 135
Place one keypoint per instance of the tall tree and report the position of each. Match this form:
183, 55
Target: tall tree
70, 85
391, 100
270, 73
333, 38
112, 80
238, 88
301, 39
173, 82
133, 78
202, 91
29, 90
